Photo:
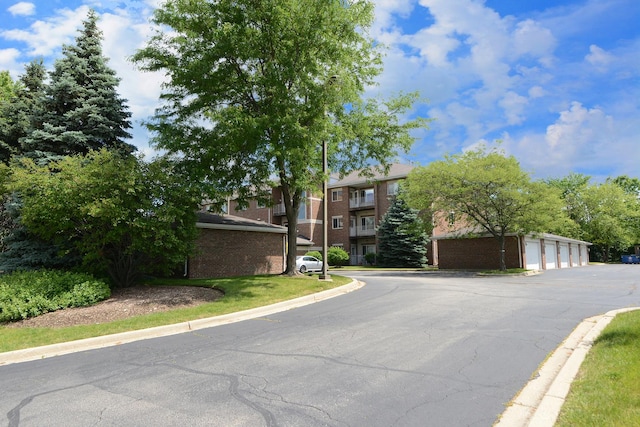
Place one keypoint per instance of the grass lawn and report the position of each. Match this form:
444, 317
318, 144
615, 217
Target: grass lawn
241, 293
606, 391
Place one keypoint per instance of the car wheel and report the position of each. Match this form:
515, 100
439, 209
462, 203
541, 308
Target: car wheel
303, 269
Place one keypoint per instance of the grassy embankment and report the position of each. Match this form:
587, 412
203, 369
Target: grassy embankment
606, 391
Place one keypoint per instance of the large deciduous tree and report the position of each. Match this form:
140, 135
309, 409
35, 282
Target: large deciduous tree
607, 214
81, 110
487, 193
255, 87
123, 216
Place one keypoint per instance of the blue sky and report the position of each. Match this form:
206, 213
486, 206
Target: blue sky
558, 82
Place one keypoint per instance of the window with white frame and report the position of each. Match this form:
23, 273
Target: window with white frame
336, 195
337, 223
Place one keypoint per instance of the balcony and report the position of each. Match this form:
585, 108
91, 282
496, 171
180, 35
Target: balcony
279, 210
361, 231
360, 203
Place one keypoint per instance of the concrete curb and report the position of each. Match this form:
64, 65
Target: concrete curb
42, 352
539, 403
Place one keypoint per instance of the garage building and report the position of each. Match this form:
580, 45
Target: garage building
532, 252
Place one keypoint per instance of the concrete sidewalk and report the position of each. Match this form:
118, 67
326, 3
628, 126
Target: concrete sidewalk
539, 403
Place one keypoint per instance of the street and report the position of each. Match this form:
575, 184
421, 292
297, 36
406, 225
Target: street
408, 349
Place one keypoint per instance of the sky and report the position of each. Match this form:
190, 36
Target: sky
555, 83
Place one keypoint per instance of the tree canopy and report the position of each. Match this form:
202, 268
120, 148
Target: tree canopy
255, 88
606, 214
486, 192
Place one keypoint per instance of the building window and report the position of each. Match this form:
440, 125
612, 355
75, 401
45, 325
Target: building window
367, 196
337, 222
302, 213
336, 195
367, 223
392, 188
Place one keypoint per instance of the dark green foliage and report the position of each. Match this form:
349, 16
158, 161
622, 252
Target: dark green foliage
337, 256
402, 237
316, 254
124, 217
370, 258
28, 294
19, 113
81, 110
23, 251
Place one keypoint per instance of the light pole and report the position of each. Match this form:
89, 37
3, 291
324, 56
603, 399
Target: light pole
325, 221
325, 262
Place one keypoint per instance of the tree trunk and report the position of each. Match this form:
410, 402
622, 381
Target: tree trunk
503, 262
291, 207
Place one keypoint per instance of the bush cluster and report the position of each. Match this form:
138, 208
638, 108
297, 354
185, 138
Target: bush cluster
27, 294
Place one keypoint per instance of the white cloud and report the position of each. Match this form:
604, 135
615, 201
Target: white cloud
599, 58
578, 127
584, 140
22, 9
123, 35
514, 106
44, 37
9, 61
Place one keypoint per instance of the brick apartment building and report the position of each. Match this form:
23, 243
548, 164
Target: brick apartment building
355, 207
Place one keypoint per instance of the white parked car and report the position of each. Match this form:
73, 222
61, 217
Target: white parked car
308, 263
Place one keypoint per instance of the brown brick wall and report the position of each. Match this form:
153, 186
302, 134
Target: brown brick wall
478, 253
337, 208
252, 212
227, 253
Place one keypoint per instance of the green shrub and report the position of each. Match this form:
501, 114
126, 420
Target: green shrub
316, 254
27, 294
370, 257
337, 256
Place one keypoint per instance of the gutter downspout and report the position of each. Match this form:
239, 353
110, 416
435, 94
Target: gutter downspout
520, 250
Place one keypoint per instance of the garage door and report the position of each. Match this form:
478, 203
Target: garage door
585, 255
532, 253
574, 255
551, 257
564, 255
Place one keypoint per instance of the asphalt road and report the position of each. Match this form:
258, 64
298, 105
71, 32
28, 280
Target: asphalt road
405, 350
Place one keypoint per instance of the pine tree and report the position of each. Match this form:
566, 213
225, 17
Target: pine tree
402, 237
20, 113
82, 110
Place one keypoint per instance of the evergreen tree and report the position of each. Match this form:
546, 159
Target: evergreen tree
82, 110
20, 112
402, 237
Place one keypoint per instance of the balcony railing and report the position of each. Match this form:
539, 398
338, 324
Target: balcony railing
279, 210
359, 203
360, 231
